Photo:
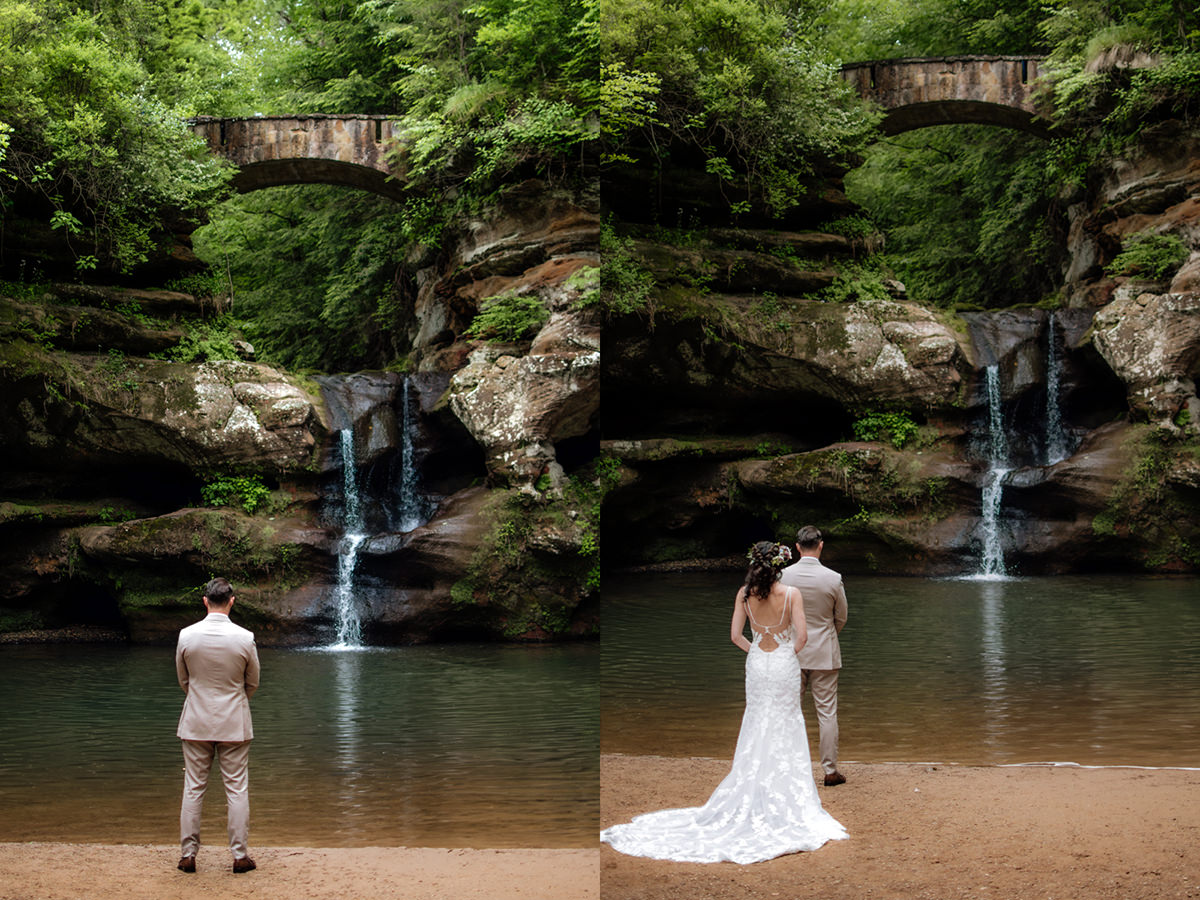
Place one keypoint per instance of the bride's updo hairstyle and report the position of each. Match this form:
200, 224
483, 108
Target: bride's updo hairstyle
767, 560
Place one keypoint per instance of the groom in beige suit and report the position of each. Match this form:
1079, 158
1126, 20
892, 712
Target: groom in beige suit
821, 657
217, 665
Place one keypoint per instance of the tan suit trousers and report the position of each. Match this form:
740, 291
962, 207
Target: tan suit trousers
234, 760
822, 683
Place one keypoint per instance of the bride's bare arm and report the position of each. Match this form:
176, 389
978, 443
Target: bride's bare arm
737, 627
799, 626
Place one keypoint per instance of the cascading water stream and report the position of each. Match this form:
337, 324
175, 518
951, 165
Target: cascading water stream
379, 493
992, 562
1057, 444
412, 513
349, 627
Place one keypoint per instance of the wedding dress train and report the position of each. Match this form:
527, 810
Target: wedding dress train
767, 805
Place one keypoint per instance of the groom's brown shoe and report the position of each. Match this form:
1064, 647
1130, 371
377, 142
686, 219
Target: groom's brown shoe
834, 778
187, 864
245, 864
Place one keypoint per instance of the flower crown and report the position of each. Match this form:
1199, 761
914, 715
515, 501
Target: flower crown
778, 556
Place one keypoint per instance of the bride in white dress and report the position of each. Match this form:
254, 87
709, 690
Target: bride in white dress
767, 805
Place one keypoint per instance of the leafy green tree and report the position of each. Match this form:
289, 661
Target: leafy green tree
90, 137
482, 94
739, 83
968, 212
314, 269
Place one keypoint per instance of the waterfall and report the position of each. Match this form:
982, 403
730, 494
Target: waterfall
412, 513
992, 563
374, 492
1057, 446
349, 629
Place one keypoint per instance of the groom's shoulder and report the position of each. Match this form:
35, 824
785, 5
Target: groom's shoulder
819, 570
236, 632
188, 630
830, 573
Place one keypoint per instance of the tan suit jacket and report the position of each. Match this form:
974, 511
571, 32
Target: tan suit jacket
824, 611
217, 664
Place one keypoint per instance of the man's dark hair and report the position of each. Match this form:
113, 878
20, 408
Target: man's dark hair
219, 592
808, 537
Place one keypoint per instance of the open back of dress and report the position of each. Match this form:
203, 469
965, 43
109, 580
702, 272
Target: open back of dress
767, 805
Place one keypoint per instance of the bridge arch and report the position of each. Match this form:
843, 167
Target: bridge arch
918, 93
277, 150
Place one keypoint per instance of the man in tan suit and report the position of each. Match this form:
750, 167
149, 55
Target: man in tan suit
821, 658
217, 664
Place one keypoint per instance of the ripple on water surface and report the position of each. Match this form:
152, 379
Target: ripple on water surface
461, 745
1095, 670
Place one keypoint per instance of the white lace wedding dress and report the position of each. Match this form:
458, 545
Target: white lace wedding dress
767, 805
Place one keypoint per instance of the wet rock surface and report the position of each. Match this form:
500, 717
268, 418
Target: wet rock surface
108, 455
1096, 396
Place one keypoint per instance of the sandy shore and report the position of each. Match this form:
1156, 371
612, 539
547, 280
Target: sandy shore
43, 871
936, 832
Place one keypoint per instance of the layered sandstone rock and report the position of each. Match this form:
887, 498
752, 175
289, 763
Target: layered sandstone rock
108, 453
518, 407
519, 399
725, 350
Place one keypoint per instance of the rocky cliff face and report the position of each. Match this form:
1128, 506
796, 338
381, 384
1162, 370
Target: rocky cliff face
743, 402
520, 401
1145, 329
111, 457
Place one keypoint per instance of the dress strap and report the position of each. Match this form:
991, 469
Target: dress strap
787, 603
783, 619
749, 611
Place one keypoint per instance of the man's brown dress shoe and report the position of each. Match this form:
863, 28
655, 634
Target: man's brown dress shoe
187, 864
245, 864
834, 778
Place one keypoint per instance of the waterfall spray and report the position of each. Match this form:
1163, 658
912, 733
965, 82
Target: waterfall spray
992, 563
411, 512
349, 631
1057, 445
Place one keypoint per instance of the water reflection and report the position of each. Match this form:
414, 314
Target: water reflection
1089, 670
347, 670
465, 745
991, 647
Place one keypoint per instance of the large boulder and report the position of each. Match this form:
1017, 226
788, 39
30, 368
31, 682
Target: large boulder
1152, 343
530, 242
710, 363
216, 415
518, 407
157, 566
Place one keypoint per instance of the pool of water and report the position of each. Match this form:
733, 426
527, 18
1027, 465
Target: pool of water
457, 745
1090, 670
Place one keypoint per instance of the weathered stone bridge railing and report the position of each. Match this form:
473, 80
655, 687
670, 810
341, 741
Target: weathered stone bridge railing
270, 151
917, 93
350, 150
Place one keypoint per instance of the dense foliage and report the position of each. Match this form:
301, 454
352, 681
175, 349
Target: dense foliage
968, 212
93, 99
972, 215
740, 85
313, 269
94, 143
482, 93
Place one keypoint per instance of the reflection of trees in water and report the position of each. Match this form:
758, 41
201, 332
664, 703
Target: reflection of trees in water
958, 671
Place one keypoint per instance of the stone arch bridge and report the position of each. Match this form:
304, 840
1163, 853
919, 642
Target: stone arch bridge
274, 150
917, 93
351, 149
